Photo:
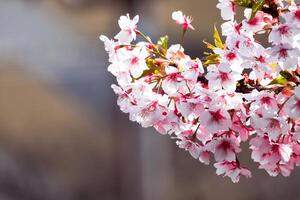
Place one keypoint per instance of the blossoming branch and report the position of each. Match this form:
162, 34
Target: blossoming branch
241, 91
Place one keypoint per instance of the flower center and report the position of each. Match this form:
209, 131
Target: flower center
284, 30
225, 145
283, 53
297, 14
266, 100
134, 60
216, 116
274, 124
231, 56
224, 76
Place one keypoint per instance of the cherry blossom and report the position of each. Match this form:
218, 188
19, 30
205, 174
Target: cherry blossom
222, 77
216, 119
232, 170
184, 21
227, 8
241, 91
128, 29
293, 105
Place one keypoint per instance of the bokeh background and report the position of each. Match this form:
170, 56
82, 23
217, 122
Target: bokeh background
62, 137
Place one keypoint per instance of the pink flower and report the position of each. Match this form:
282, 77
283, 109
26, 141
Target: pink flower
181, 19
135, 61
222, 77
293, 105
271, 124
125, 100
172, 81
227, 8
232, 170
239, 126
258, 22
275, 158
283, 33
285, 55
190, 107
293, 17
216, 119
210, 107
128, 29
225, 148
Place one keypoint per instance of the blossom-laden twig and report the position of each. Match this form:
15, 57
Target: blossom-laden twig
239, 92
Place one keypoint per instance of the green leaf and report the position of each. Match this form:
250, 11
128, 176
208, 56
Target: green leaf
280, 80
145, 72
217, 38
163, 42
244, 3
256, 7
286, 74
209, 46
212, 59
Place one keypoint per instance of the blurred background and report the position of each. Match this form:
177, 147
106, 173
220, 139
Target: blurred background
62, 136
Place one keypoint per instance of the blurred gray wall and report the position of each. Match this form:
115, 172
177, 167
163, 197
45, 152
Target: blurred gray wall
62, 135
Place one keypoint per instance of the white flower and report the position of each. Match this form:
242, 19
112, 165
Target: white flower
292, 106
184, 21
285, 55
271, 124
172, 81
128, 29
222, 77
216, 120
232, 170
135, 61
225, 148
283, 33
227, 8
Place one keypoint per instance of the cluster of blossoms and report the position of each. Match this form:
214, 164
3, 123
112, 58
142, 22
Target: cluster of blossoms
239, 92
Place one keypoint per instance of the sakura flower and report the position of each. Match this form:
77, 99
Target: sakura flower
232, 170
210, 107
191, 69
227, 8
258, 62
148, 114
202, 134
230, 28
216, 120
292, 106
263, 100
293, 17
285, 55
120, 72
258, 22
125, 100
283, 33
135, 61
222, 77
229, 56
247, 46
110, 47
190, 107
128, 29
172, 81
271, 124
225, 148
239, 126
204, 157
273, 157
181, 19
